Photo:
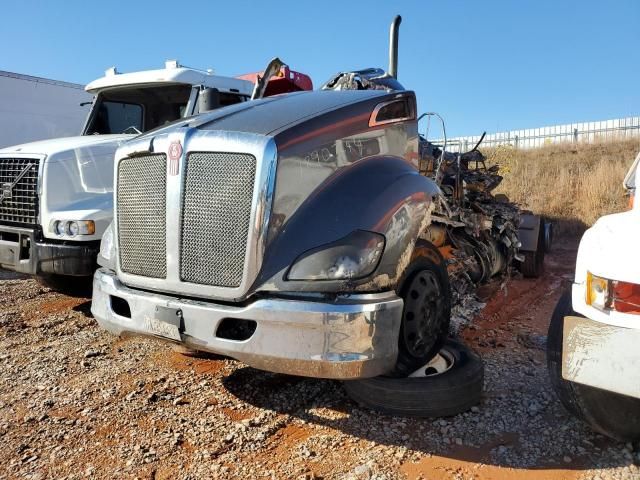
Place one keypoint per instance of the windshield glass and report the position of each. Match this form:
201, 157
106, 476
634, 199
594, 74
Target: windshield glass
137, 109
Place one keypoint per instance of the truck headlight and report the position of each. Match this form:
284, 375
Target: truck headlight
597, 291
355, 256
605, 294
58, 228
73, 228
107, 255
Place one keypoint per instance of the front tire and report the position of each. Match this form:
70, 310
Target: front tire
614, 415
426, 314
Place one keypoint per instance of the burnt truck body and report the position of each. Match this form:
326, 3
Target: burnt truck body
275, 232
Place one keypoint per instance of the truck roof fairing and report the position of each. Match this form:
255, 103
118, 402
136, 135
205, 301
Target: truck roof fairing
170, 75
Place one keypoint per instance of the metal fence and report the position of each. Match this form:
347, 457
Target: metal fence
587, 132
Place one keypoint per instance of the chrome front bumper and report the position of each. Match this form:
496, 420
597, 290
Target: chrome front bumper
354, 336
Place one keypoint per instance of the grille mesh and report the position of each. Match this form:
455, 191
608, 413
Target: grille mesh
19, 202
142, 184
216, 209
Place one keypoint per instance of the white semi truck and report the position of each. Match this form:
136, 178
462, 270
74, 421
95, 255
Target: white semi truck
592, 348
56, 196
35, 108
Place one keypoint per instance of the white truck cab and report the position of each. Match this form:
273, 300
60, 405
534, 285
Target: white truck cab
593, 354
56, 196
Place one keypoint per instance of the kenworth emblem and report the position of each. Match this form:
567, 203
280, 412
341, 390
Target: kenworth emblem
175, 152
7, 188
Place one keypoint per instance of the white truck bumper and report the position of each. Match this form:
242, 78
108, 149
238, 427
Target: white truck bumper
602, 356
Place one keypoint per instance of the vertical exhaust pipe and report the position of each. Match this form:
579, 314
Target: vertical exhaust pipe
394, 32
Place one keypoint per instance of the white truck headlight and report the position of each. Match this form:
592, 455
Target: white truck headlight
73, 228
58, 227
605, 294
355, 256
107, 255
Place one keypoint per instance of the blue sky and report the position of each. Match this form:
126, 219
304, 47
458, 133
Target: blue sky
484, 65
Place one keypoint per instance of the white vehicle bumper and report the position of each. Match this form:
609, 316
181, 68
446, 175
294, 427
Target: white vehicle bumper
602, 356
350, 337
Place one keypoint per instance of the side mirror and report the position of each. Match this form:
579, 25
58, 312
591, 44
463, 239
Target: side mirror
208, 99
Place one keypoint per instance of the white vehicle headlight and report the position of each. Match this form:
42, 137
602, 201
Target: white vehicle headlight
605, 294
58, 227
355, 256
107, 255
73, 228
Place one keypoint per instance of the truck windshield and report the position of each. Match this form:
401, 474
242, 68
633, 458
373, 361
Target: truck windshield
137, 109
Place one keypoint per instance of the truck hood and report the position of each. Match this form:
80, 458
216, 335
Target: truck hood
58, 145
610, 248
269, 116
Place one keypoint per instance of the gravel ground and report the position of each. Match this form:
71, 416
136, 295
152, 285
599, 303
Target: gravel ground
76, 402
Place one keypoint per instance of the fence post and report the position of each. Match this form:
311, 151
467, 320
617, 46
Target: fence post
516, 141
575, 135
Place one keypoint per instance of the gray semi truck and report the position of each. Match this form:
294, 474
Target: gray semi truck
301, 234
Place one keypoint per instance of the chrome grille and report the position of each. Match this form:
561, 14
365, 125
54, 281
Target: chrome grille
141, 196
217, 198
19, 198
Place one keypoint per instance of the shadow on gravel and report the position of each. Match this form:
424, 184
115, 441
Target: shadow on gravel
324, 403
84, 308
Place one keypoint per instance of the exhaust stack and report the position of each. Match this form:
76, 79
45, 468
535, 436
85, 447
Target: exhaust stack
394, 32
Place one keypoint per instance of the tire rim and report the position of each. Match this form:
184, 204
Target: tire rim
423, 308
441, 363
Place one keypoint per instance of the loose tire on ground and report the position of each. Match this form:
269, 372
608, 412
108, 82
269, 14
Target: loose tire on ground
611, 414
440, 395
67, 284
427, 311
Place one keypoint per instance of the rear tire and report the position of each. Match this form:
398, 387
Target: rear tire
449, 393
533, 265
614, 415
67, 284
426, 314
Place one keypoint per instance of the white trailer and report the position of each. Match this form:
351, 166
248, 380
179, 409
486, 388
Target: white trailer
35, 108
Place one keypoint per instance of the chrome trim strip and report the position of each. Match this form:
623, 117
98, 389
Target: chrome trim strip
193, 140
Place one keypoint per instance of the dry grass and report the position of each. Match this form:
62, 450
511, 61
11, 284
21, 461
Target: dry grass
572, 184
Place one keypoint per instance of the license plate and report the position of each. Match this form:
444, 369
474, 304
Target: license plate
165, 323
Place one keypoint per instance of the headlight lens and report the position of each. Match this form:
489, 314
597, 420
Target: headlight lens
605, 294
58, 227
355, 256
73, 227
107, 256
597, 291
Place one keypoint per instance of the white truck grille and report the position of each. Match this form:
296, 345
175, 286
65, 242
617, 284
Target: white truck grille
141, 210
217, 198
19, 190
